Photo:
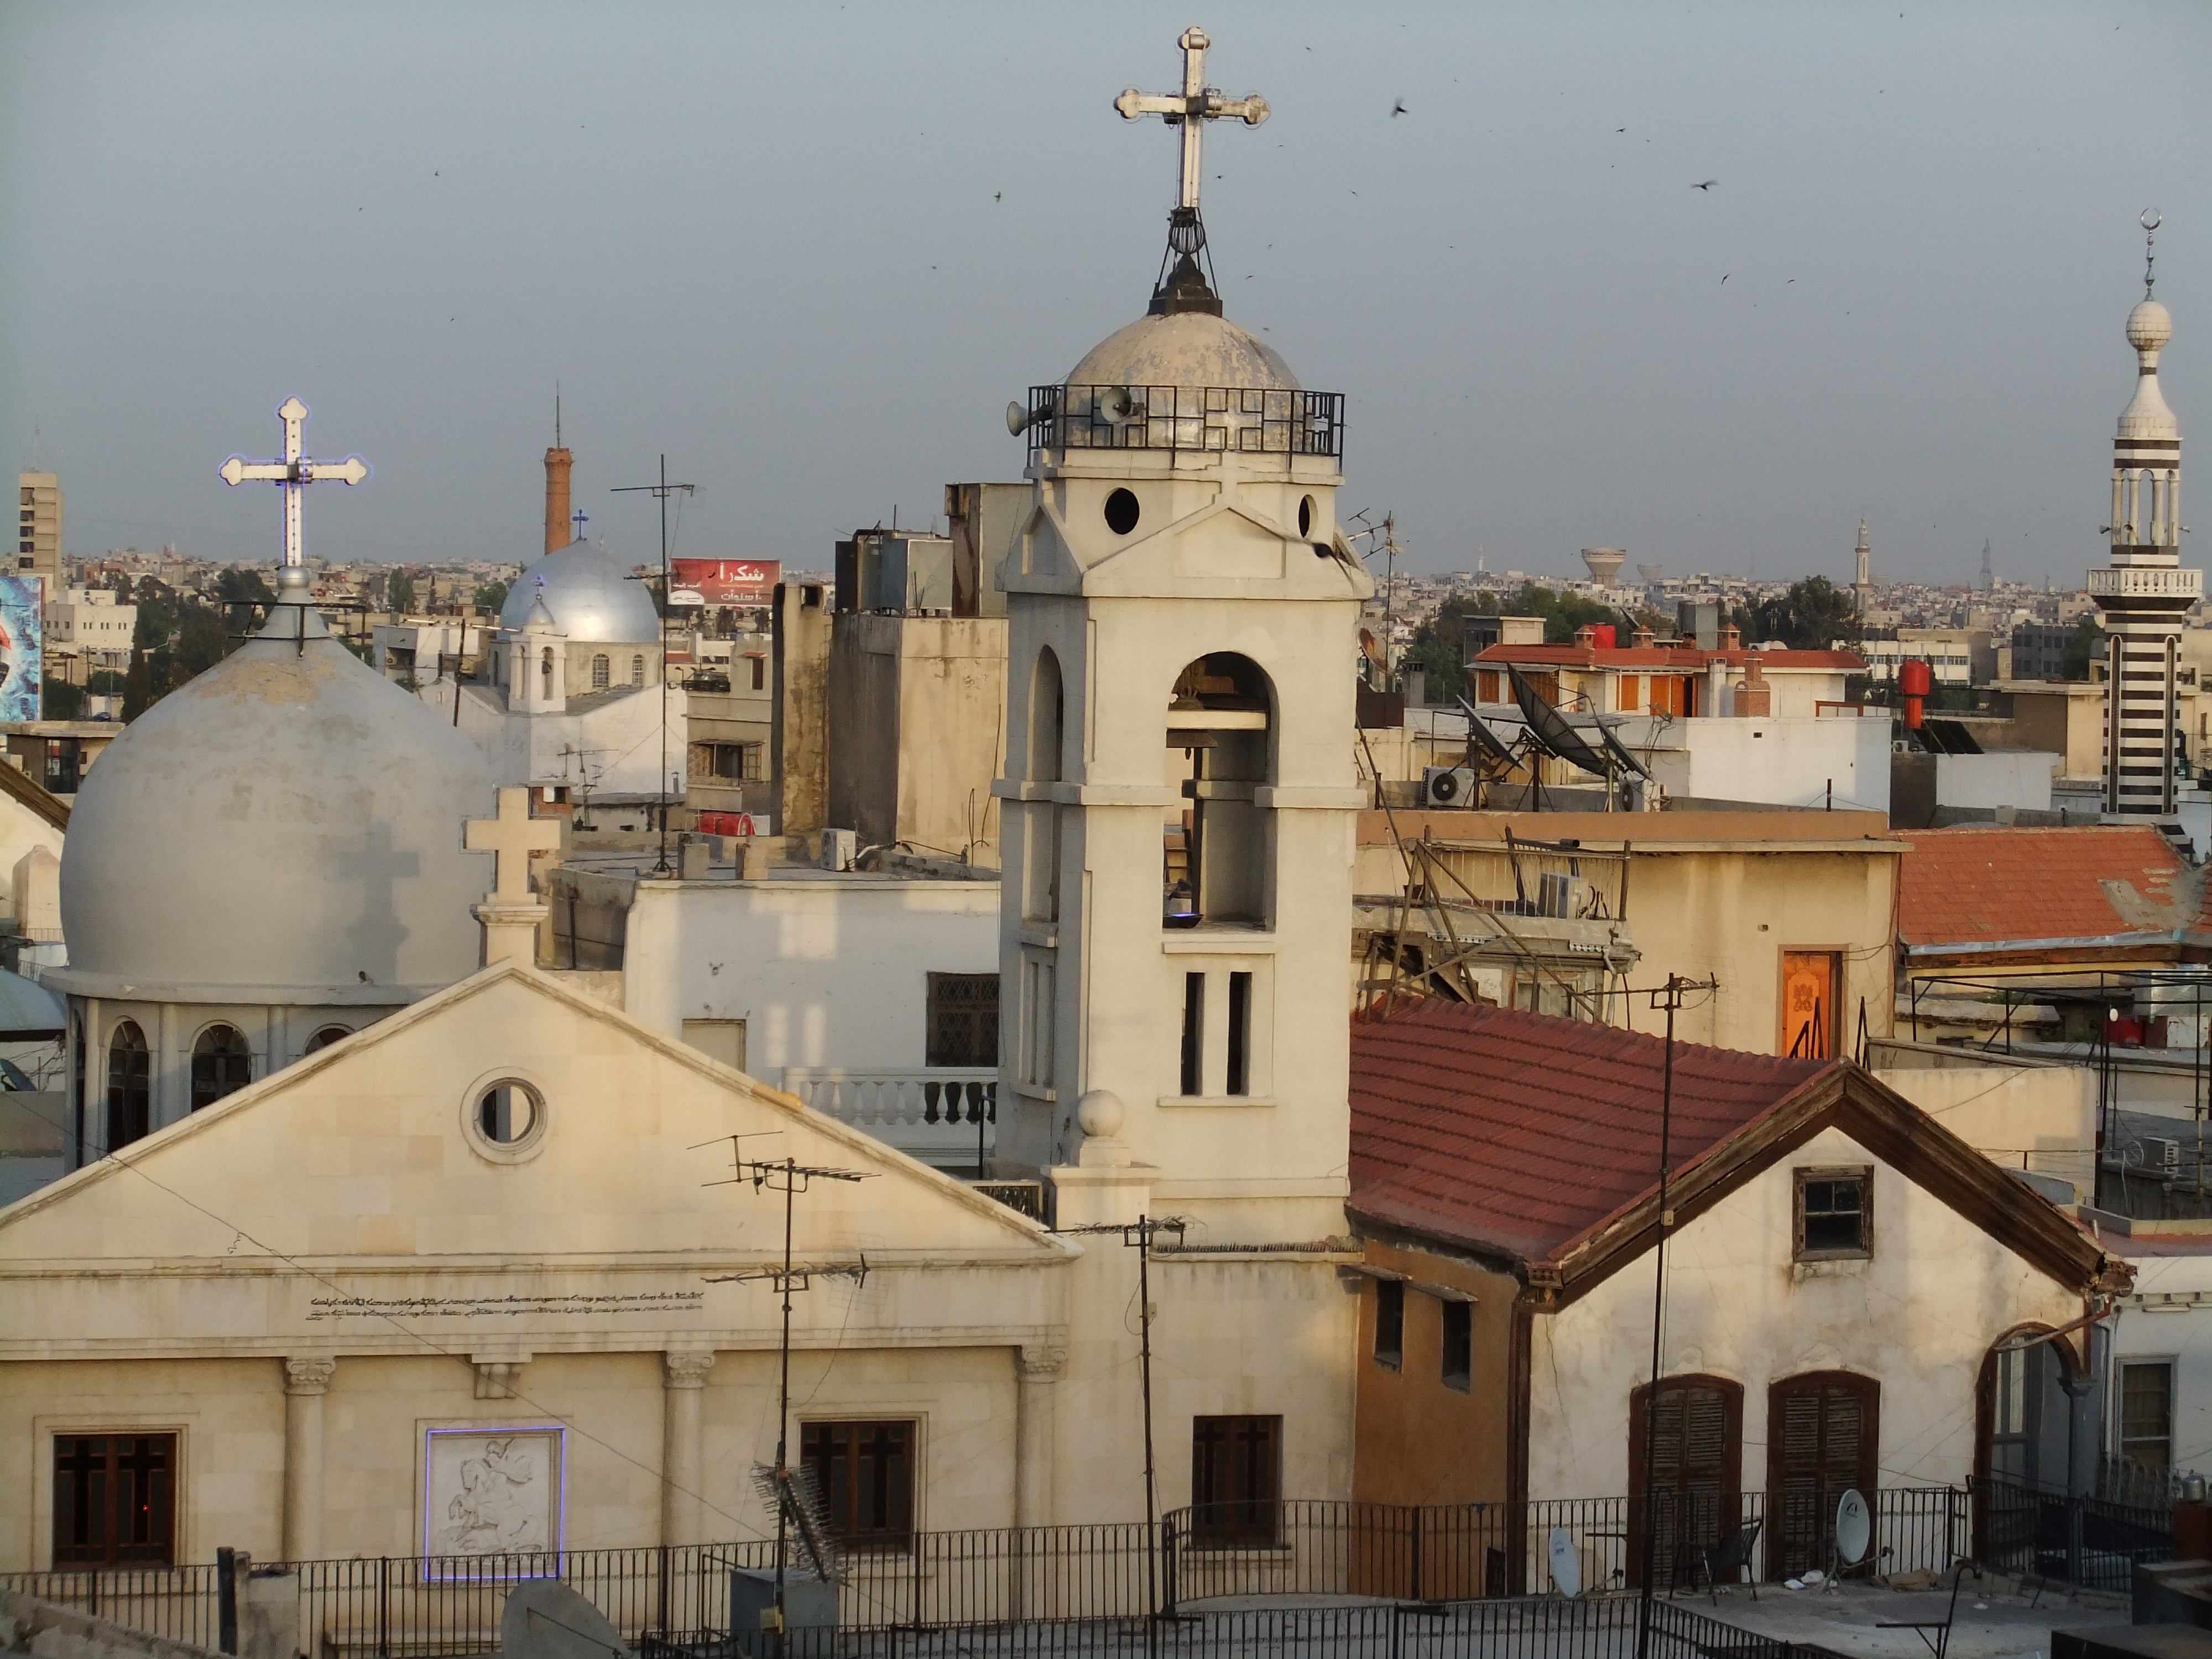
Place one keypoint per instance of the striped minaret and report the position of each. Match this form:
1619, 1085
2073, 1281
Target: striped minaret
2145, 592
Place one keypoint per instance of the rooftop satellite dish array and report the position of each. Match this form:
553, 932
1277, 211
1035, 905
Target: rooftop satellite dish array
1545, 730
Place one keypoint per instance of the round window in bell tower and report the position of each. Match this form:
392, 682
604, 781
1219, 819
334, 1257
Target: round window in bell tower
1121, 512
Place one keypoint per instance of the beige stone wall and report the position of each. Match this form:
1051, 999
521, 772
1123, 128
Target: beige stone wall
229, 1418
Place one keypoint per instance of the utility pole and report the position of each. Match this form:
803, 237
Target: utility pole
661, 492
1670, 997
1139, 1235
789, 1177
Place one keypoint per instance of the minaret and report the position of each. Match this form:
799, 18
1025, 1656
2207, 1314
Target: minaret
2145, 592
1862, 583
557, 463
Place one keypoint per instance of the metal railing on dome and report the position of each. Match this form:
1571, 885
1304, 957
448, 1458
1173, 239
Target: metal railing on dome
1247, 420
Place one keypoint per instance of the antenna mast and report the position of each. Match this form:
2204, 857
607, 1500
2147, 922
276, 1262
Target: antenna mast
790, 1177
661, 492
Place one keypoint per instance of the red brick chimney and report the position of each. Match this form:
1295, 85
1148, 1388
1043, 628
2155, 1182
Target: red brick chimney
558, 530
1754, 697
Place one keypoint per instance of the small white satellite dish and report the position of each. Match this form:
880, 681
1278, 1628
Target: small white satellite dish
1566, 1565
1854, 1528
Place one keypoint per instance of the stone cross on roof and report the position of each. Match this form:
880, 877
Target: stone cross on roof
1196, 105
291, 473
513, 835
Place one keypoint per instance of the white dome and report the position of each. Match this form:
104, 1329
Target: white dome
590, 594
1192, 347
285, 828
2150, 325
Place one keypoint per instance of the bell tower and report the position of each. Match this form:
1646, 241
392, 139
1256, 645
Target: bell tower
1179, 794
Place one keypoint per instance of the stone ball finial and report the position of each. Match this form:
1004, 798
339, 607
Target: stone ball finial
2150, 325
1100, 1115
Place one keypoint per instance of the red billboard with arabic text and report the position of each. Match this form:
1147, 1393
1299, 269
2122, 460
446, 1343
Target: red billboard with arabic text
713, 582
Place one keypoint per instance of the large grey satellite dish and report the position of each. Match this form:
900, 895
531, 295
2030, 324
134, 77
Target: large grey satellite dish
546, 1619
1854, 1528
1566, 1565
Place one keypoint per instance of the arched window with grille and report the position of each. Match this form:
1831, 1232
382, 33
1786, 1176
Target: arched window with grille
222, 1063
601, 671
130, 1085
637, 670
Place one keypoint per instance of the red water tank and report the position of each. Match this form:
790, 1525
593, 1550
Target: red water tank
1914, 682
1602, 636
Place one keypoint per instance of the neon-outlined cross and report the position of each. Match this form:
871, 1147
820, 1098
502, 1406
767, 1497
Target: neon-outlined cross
293, 471
1192, 109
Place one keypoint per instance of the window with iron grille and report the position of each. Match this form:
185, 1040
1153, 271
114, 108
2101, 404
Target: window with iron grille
222, 1063
1835, 1217
115, 1500
865, 1472
2146, 1413
963, 1021
1236, 1481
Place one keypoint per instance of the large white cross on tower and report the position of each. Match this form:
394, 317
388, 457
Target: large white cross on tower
510, 913
293, 471
1197, 104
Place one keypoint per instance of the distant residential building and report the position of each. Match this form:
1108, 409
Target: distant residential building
88, 629
2038, 651
38, 539
1958, 656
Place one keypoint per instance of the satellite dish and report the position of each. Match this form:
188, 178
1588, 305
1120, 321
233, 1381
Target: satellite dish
1566, 1565
1854, 1528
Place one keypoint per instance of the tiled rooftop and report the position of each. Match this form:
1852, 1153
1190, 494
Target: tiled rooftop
1991, 886
1522, 1132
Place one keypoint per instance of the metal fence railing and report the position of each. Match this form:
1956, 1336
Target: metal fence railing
1193, 1564
2094, 1543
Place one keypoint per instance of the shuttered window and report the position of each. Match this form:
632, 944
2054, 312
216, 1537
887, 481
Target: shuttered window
1236, 1480
1822, 1437
115, 1500
1696, 1456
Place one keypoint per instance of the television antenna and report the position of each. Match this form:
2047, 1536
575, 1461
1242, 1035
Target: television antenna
661, 492
797, 1505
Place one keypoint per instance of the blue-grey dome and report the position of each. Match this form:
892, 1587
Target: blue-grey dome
590, 594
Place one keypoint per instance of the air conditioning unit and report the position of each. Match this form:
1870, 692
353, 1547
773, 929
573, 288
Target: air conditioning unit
2160, 1153
906, 574
1559, 894
1448, 786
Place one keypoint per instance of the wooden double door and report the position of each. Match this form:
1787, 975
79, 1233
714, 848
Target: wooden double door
1823, 1438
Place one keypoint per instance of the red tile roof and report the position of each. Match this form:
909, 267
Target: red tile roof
1524, 1133
1682, 659
1991, 886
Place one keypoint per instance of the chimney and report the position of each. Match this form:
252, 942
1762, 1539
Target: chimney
1645, 636
1731, 638
1586, 637
1754, 697
557, 528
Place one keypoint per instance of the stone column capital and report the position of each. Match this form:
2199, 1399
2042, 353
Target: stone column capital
309, 1373
686, 1368
1036, 1363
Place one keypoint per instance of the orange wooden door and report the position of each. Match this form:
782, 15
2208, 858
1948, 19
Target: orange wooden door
1809, 986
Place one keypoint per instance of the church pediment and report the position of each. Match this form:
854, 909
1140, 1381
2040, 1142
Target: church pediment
384, 1149
1226, 550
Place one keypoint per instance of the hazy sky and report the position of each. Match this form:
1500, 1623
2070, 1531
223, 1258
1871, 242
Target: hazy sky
811, 252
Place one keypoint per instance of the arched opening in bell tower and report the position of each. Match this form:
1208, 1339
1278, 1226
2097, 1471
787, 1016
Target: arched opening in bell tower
1048, 729
1221, 721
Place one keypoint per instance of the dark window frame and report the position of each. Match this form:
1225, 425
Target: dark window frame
961, 1026
130, 1085
1236, 1482
1455, 1366
1816, 1234
2131, 1433
90, 1483
1390, 1323
865, 1472
220, 1067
